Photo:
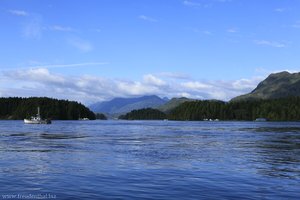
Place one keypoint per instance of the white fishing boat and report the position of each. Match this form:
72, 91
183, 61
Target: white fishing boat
261, 119
83, 119
37, 119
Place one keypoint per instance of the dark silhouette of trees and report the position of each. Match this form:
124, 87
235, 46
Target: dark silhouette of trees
101, 116
144, 114
283, 109
20, 108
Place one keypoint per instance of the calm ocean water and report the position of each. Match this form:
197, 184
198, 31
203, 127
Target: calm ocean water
149, 160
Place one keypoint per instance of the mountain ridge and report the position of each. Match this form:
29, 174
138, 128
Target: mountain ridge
173, 103
123, 105
276, 85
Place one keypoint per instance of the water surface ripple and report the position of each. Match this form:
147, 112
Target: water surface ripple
151, 160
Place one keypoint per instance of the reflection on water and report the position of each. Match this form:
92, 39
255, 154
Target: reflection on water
273, 129
279, 150
60, 136
151, 159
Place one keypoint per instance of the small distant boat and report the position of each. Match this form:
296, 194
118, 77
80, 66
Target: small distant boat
211, 120
84, 119
37, 119
261, 119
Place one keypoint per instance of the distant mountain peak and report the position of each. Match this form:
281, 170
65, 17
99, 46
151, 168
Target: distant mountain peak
122, 105
173, 103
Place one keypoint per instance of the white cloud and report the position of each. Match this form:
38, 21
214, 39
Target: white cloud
222, 90
173, 75
232, 30
18, 12
218, 94
71, 65
196, 30
203, 3
146, 18
279, 10
37, 65
207, 32
191, 3
35, 75
296, 25
195, 85
152, 80
80, 44
134, 88
33, 28
61, 28
186, 94
270, 43
224, 1
89, 89
246, 84
32, 25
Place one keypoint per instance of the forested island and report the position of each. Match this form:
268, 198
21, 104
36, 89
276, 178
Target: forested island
282, 109
20, 108
144, 114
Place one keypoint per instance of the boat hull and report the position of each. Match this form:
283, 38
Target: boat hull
28, 121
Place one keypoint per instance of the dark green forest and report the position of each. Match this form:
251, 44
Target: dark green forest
20, 108
283, 109
101, 116
144, 114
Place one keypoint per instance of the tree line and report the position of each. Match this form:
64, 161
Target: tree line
283, 109
144, 114
20, 108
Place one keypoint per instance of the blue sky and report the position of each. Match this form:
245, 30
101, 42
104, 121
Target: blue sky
95, 50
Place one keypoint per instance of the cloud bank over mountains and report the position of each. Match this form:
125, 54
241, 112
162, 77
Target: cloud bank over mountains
88, 89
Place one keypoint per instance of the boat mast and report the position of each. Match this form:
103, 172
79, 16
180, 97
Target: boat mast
38, 109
